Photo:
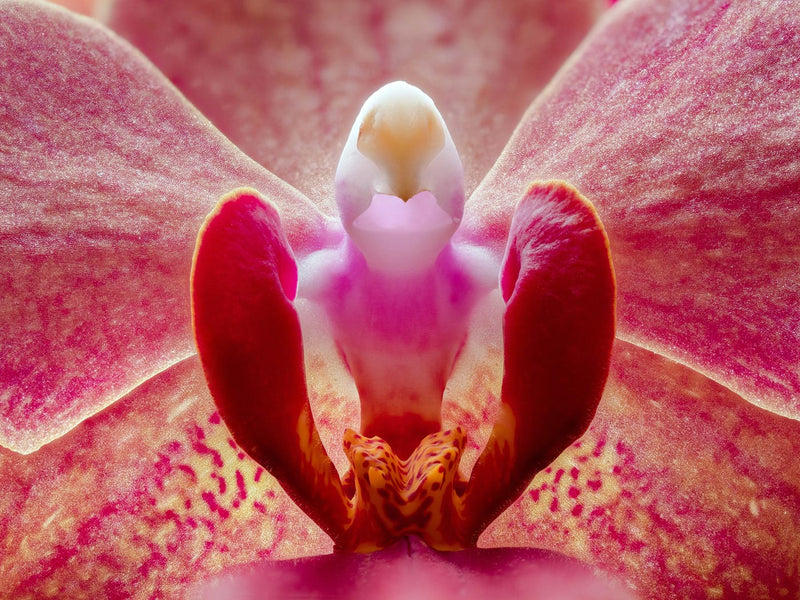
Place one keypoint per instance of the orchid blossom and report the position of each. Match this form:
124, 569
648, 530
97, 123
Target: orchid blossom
676, 120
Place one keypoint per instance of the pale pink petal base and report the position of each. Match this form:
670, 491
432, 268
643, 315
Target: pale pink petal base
106, 174
679, 121
284, 81
409, 569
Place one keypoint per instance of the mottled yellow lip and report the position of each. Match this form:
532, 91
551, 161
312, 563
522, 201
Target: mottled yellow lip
401, 134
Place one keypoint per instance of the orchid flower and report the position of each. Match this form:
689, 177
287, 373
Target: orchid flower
676, 120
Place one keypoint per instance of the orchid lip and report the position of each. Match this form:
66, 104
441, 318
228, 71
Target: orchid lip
400, 338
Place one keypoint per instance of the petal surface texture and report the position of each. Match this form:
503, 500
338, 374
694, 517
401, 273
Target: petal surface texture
681, 487
679, 120
106, 174
284, 80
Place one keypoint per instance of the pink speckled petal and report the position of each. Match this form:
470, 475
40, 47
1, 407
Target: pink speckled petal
679, 120
106, 174
142, 500
409, 569
681, 487
284, 80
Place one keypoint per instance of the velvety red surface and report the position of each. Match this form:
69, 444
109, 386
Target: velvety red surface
558, 329
244, 279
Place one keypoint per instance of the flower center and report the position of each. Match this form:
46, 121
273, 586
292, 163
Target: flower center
393, 498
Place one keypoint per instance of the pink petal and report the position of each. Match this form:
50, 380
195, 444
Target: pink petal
681, 487
679, 120
284, 81
143, 499
107, 174
409, 569
85, 7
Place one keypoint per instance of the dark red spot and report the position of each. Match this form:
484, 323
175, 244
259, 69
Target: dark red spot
222, 484
594, 484
260, 507
199, 433
554, 505
214, 418
213, 506
577, 510
203, 449
240, 485
232, 443
534, 495
573, 492
598, 449
574, 472
189, 471
559, 475
257, 476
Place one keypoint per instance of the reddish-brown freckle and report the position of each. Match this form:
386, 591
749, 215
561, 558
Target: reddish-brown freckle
577, 510
574, 472
617, 470
559, 475
598, 449
231, 443
187, 503
235, 503
554, 505
594, 484
534, 494
257, 475
573, 492
260, 507
214, 418
548, 470
199, 433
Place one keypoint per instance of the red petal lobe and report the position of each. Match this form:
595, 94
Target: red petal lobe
558, 330
249, 340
